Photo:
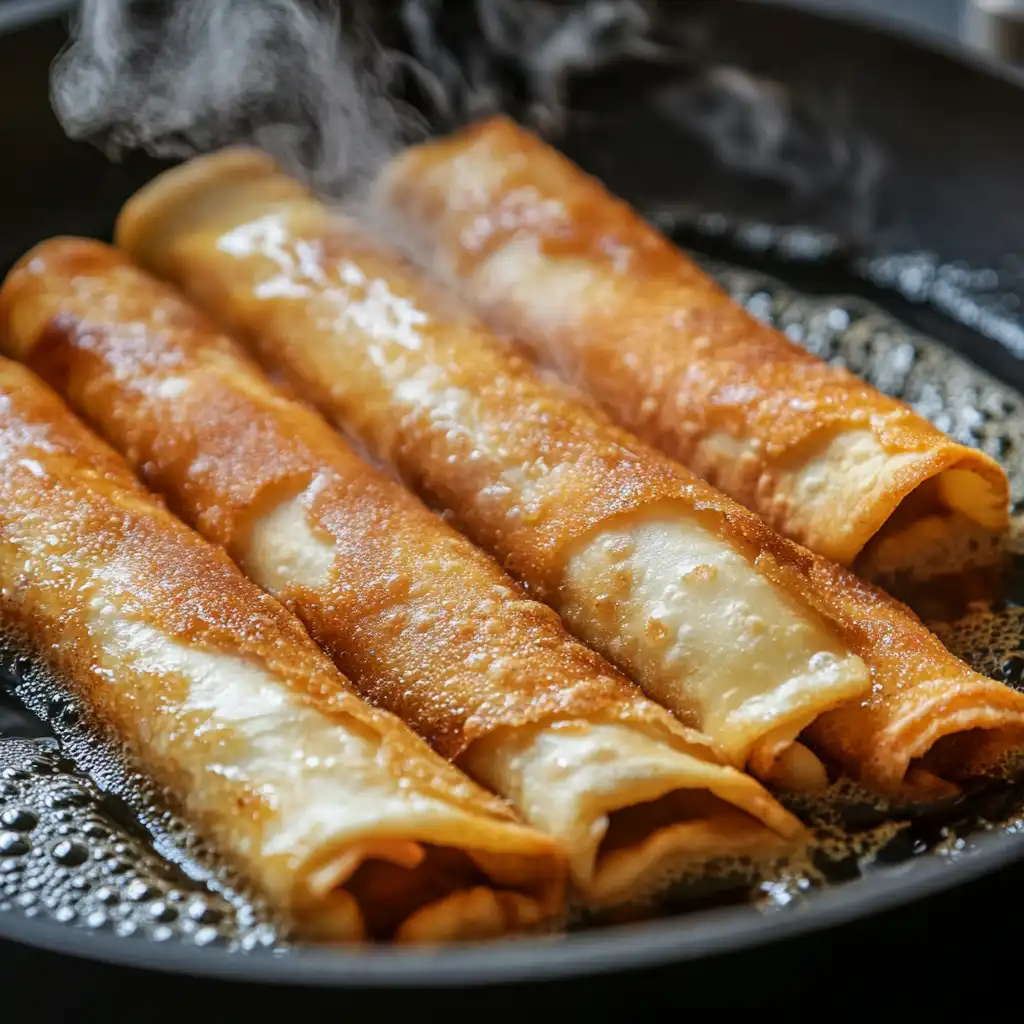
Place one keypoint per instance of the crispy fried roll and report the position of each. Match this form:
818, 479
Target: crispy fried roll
340, 813
666, 576
545, 253
424, 623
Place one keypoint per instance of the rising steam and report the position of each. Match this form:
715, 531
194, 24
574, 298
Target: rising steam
184, 77
329, 97
756, 126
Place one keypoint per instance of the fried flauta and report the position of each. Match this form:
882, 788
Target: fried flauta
719, 619
546, 254
423, 622
349, 822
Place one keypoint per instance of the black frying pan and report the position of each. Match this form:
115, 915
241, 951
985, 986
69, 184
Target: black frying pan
945, 133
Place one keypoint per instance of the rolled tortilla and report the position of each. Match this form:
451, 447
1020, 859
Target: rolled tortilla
424, 624
664, 575
345, 818
545, 253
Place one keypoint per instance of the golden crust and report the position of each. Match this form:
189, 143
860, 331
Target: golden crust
460, 417
430, 626
533, 424
660, 345
189, 588
78, 532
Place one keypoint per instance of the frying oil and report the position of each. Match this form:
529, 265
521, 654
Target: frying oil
87, 841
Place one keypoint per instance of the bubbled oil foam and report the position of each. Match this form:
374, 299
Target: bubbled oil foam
88, 842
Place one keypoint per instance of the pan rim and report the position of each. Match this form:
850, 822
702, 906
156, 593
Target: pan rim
918, 36
18, 15
22, 14
673, 940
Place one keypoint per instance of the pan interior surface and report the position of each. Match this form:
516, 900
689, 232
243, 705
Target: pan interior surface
155, 898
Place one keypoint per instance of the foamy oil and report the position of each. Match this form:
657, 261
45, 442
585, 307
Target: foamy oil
89, 841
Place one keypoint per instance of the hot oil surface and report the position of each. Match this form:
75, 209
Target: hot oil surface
86, 841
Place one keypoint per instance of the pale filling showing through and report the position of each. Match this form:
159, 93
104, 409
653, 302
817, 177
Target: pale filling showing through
548, 294
952, 522
631, 809
282, 551
708, 637
543, 299
947, 522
